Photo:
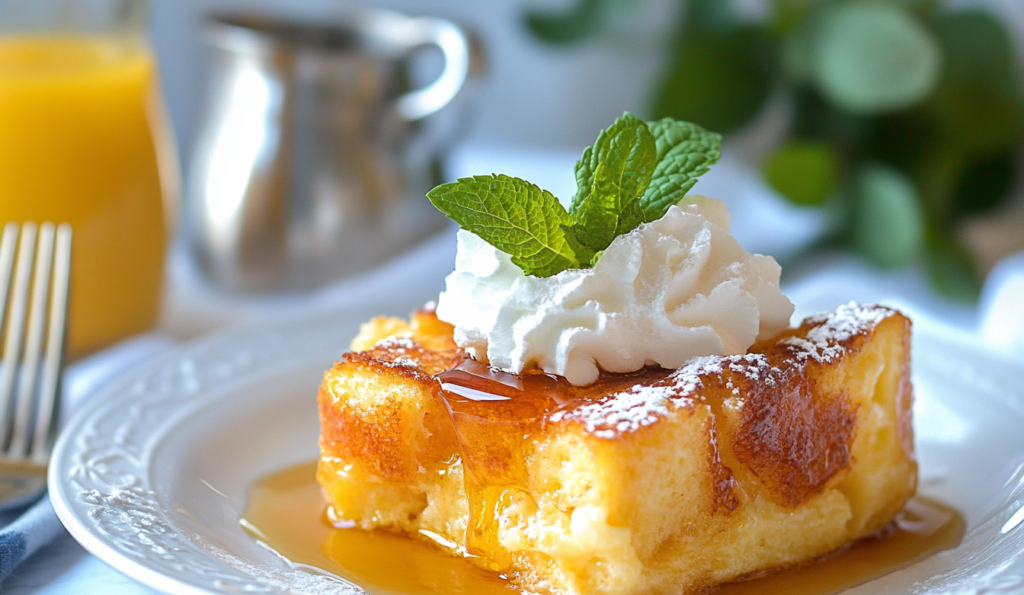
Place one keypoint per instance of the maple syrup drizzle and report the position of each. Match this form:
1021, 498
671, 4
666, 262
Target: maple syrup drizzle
286, 511
494, 413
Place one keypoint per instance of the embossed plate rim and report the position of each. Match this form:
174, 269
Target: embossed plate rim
297, 341
111, 505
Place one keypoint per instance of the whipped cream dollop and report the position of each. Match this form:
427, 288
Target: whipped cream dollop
670, 290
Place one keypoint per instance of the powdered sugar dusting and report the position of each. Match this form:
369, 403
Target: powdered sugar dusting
827, 339
404, 362
622, 412
641, 406
396, 342
752, 365
687, 378
404, 350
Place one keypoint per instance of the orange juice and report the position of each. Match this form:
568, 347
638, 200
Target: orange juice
78, 144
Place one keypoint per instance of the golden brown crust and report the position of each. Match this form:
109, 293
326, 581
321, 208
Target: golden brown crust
376, 442
793, 438
795, 435
405, 357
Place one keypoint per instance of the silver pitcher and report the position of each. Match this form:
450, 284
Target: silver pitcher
314, 154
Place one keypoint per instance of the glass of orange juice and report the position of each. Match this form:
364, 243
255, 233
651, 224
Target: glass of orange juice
83, 140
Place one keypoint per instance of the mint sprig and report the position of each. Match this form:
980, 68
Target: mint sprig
618, 169
598, 152
514, 216
685, 152
633, 173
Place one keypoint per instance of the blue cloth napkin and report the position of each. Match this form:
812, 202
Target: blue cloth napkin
26, 530
31, 528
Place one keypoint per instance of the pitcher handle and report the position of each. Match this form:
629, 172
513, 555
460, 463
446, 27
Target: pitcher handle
456, 46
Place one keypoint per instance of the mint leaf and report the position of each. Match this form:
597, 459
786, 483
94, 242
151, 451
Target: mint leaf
611, 205
598, 152
685, 152
583, 254
514, 216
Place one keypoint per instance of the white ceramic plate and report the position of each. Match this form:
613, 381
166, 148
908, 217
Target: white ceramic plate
152, 475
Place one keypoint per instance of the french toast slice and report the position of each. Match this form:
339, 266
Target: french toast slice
660, 481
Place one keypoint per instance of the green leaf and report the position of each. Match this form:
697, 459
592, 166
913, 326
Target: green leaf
585, 255
977, 103
710, 15
817, 118
985, 183
715, 79
788, 15
937, 170
565, 27
685, 152
611, 205
902, 139
802, 171
512, 215
796, 55
874, 57
950, 268
977, 49
887, 224
598, 152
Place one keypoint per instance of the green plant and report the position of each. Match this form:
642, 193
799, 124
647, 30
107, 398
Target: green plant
907, 115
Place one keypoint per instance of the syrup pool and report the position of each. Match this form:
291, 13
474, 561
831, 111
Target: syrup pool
287, 512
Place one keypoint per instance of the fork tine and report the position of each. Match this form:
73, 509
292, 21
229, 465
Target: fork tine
7, 246
20, 434
15, 325
49, 394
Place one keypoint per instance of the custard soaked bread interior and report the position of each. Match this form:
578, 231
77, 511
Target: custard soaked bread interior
659, 481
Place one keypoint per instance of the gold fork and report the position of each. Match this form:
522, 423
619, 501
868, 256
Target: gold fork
34, 273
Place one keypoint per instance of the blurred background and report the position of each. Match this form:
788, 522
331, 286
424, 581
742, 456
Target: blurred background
536, 94
228, 162
886, 130
872, 146
892, 126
